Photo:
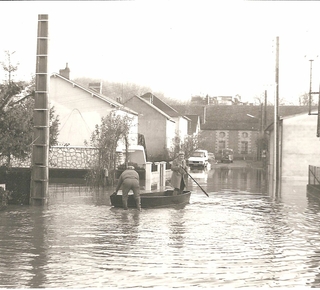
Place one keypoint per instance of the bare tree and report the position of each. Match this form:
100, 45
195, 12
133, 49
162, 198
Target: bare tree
8, 66
304, 100
105, 139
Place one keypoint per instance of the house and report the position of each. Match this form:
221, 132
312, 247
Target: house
235, 127
181, 121
193, 124
225, 126
157, 127
81, 109
299, 146
217, 100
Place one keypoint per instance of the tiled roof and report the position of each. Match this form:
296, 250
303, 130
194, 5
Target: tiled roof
110, 101
152, 106
161, 105
235, 117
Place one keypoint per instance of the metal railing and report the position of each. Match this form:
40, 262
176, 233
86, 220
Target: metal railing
314, 175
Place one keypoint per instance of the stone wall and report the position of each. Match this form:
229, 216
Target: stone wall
64, 157
71, 157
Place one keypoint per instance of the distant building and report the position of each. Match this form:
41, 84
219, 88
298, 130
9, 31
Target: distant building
181, 121
232, 127
217, 100
157, 127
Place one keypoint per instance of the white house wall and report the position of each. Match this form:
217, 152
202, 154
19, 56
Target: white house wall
170, 134
181, 127
78, 111
300, 146
153, 125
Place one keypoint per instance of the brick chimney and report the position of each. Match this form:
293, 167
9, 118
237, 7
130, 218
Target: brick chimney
96, 87
148, 97
65, 72
204, 114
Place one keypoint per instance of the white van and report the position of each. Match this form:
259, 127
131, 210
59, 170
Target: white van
198, 158
136, 155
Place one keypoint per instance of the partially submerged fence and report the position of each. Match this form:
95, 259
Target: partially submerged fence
157, 177
81, 157
314, 175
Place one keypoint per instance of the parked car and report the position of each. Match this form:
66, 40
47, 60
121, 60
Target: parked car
227, 155
199, 158
211, 158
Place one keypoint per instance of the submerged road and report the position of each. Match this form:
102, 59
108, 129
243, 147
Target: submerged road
239, 236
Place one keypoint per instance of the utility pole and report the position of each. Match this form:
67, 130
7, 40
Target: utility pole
40, 148
265, 110
276, 125
310, 87
318, 123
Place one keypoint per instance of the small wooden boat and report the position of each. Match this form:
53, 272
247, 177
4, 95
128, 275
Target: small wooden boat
154, 199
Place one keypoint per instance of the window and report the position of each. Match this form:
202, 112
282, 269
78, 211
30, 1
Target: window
222, 134
222, 145
244, 147
197, 154
244, 134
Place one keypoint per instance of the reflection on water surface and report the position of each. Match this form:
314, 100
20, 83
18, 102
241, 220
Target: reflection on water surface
239, 236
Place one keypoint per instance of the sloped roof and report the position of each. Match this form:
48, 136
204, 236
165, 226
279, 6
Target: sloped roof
219, 117
152, 106
162, 106
314, 111
94, 93
194, 122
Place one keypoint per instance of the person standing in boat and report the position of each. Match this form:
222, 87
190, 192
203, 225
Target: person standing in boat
129, 180
179, 176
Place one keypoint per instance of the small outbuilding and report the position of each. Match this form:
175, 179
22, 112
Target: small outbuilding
298, 144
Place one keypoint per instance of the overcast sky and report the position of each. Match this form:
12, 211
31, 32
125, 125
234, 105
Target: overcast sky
181, 48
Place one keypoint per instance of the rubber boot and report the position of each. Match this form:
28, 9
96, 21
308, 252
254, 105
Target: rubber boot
125, 204
138, 203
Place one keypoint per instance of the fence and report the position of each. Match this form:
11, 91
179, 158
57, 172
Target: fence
80, 157
314, 175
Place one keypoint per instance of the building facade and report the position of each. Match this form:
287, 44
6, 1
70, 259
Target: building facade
298, 147
157, 127
81, 109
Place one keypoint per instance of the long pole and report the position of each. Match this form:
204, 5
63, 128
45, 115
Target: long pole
310, 87
276, 125
40, 149
196, 182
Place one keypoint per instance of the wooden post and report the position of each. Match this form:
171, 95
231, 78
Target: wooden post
40, 149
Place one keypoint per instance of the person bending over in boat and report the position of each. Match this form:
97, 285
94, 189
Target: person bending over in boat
129, 180
178, 176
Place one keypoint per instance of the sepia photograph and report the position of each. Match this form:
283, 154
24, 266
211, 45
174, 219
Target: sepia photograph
159, 144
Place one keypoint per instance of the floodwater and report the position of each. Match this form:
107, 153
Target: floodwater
239, 236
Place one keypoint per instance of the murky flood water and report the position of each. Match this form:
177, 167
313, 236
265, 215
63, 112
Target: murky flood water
239, 236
